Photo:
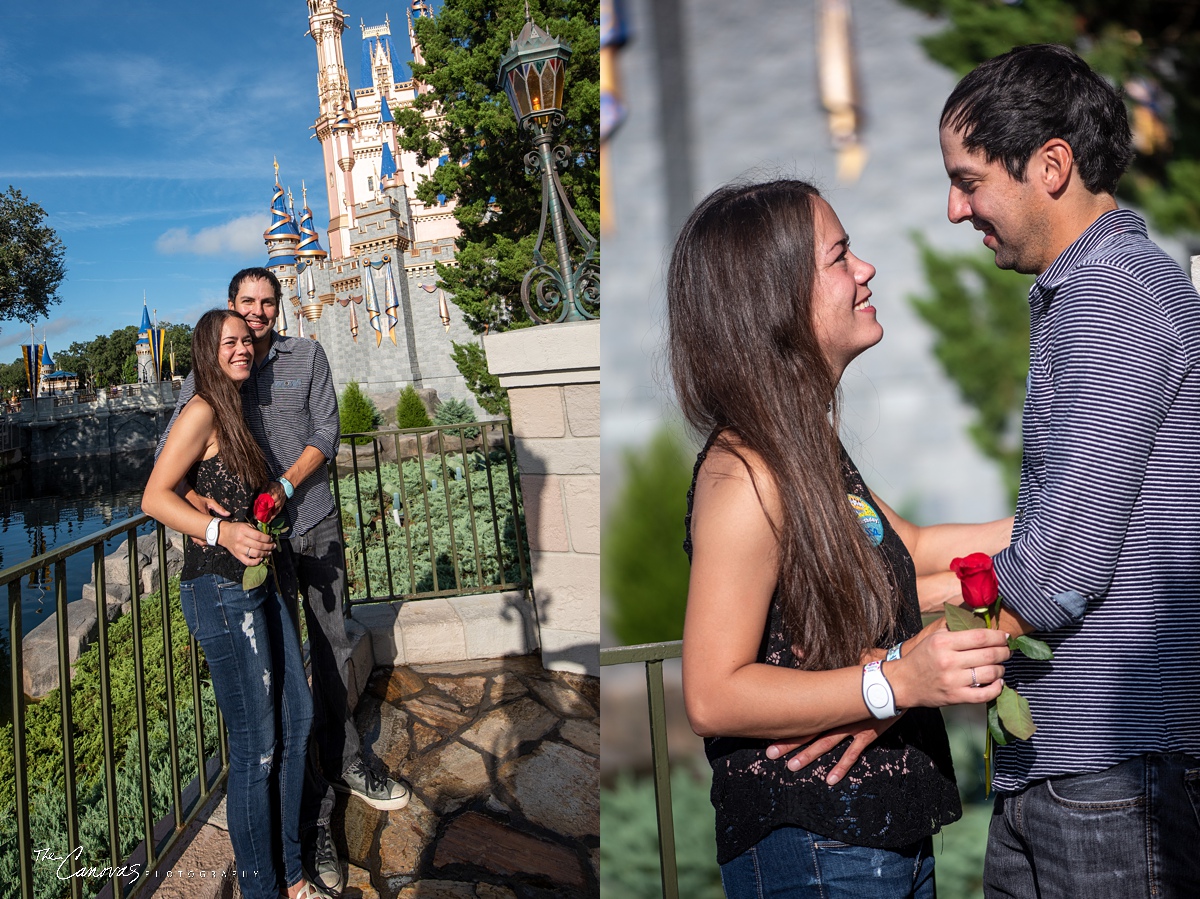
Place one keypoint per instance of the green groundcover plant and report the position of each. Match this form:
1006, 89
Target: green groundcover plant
44, 753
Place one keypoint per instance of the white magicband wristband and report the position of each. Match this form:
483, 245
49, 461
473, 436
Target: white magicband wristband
877, 692
212, 532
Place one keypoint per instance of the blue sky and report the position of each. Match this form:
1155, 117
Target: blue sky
146, 131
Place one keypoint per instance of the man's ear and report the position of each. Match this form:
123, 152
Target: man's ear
1053, 164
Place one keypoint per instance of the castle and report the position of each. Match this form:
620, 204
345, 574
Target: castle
372, 299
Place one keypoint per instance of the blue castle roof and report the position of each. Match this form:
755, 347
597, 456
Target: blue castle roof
145, 319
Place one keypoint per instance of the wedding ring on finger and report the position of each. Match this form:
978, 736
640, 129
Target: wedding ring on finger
974, 680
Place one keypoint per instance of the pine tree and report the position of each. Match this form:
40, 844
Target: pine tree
410, 411
357, 413
980, 318
472, 364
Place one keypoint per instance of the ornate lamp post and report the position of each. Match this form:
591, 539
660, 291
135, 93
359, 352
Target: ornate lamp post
532, 74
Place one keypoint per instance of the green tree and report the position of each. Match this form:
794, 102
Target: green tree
13, 379
644, 568
357, 413
31, 259
410, 411
475, 136
106, 355
472, 365
454, 411
129, 369
980, 318
178, 337
1153, 46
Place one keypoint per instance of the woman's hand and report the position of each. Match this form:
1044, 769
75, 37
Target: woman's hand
862, 735
246, 543
949, 668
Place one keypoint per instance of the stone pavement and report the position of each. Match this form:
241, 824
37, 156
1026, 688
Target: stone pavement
503, 758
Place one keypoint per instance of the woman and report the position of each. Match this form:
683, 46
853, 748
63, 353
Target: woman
799, 573
249, 637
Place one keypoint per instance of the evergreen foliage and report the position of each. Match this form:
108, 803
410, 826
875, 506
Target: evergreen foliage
1124, 41
645, 571
410, 411
31, 259
432, 512
44, 748
462, 46
629, 866
357, 413
453, 412
472, 365
475, 135
980, 318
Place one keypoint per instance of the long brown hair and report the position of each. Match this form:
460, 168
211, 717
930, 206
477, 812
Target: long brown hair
746, 361
239, 451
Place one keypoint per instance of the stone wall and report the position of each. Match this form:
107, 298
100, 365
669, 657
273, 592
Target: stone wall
552, 374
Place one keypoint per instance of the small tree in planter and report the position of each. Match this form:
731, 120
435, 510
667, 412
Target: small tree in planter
410, 411
357, 413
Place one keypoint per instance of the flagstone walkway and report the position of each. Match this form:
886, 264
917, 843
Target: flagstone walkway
503, 759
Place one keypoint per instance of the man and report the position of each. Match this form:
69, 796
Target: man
1105, 560
291, 408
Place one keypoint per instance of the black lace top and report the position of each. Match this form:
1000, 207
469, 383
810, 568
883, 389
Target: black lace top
900, 791
210, 477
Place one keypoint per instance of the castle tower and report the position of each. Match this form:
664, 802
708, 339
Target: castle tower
145, 354
371, 300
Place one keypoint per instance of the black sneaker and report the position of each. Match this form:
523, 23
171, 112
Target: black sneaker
318, 856
378, 792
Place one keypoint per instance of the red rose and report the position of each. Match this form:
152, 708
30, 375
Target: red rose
264, 507
979, 586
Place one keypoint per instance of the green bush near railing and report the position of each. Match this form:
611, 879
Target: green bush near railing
443, 507
44, 750
629, 865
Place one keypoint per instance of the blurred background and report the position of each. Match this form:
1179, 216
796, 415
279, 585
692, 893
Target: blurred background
847, 94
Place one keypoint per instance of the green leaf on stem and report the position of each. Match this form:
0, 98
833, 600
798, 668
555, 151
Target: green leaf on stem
960, 619
1035, 649
1013, 710
994, 728
254, 576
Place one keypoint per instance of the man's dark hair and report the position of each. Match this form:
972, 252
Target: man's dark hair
258, 273
1011, 105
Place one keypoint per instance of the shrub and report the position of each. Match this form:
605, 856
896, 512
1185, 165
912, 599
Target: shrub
456, 411
44, 748
429, 518
645, 571
410, 411
629, 867
357, 413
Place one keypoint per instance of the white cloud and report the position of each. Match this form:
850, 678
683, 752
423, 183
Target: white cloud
243, 236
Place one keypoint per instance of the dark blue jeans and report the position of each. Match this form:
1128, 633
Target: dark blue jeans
791, 862
253, 652
321, 573
1127, 832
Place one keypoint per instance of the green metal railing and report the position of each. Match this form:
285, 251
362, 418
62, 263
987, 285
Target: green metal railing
436, 512
652, 655
210, 773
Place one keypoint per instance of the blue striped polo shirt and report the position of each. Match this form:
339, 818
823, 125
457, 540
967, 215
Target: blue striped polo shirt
1105, 555
289, 404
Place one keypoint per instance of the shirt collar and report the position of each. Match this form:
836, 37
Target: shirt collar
1099, 232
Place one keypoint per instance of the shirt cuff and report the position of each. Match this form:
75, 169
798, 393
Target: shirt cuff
1023, 595
327, 448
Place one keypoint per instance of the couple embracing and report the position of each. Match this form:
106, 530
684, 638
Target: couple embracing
254, 427
803, 623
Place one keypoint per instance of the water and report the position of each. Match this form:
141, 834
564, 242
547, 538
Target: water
50, 504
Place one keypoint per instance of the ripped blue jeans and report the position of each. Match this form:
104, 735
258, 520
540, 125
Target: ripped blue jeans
253, 652
793, 863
